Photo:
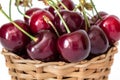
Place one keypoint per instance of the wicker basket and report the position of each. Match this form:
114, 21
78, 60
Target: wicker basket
97, 68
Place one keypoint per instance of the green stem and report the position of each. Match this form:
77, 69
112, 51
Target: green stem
22, 13
63, 5
24, 9
17, 26
93, 12
95, 9
76, 7
89, 14
48, 21
10, 2
87, 24
52, 4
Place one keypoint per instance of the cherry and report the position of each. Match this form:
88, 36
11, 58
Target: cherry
29, 13
72, 19
12, 38
111, 26
44, 48
37, 22
74, 46
98, 39
68, 3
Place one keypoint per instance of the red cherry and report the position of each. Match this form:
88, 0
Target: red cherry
74, 46
37, 22
111, 26
98, 39
12, 38
73, 20
68, 3
29, 13
44, 48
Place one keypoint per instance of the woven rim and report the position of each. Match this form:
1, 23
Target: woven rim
97, 68
84, 63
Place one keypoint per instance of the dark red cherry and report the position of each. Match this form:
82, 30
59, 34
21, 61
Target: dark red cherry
29, 12
68, 3
111, 26
13, 39
74, 46
38, 23
44, 48
73, 20
98, 39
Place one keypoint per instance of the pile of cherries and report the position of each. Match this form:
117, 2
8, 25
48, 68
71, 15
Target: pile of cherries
60, 32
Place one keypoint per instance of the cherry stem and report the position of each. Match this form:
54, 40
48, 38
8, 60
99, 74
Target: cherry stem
20, 10
22, 13
48, 21
63, 5
24, 9
76, 7
87, 24
52, 4
95, 9
17, 26
89, 14
10, 2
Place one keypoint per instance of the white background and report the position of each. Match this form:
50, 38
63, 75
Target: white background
110, 6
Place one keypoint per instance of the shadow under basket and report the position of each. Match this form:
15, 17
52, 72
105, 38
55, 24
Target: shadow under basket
97, 68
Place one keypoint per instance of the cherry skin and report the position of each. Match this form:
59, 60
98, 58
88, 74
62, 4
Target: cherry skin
111, 26
98, 39
73, 20
68, 3
51, 10
13, 39
38, 23
74, 46
29, 13
44, 49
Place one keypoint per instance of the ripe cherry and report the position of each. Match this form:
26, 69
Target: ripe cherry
44, 48
72, 19
29, 13
68, 3
74, 46
12, 38
98, 39
111, 26
37, 22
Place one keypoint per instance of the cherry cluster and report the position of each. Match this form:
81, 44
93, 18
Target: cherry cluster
62, 31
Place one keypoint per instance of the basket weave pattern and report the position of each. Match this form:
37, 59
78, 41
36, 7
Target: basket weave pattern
97, 68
